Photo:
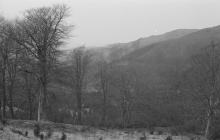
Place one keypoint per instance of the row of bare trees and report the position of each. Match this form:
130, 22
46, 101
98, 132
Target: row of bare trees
203, 81
106, 78
38, 36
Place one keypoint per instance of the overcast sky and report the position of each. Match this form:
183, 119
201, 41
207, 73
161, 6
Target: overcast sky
101, 22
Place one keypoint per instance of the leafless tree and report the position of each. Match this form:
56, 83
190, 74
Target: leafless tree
41, 32
104, 86
12, 69
30, 89
79, 65
30, 84
4, 49
9, 56
205, 83
124, 81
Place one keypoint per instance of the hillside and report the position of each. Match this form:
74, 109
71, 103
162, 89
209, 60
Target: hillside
165, 60
118, 50
179, 47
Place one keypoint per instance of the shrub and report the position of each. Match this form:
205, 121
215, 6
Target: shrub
215, 135
191, 126
41, 136
175, 131
151, 132
4, 122
63, 136
169, 138
37, 130
26, 133
17, 131
143, 137
160, 132
49, 133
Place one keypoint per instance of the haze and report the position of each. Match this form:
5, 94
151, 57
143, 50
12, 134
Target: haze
102, 22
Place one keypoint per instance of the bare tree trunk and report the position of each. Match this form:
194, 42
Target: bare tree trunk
43, 83
79, 88
30, 102
11, 100
4, 90
129, 112
44, 99
210, 116
29, 96
79, 63
1, 108
30, 107
41, 101
208, 127
104, 83
79, 107
39, 110
123, 118
123, 112
12, 73
104, 109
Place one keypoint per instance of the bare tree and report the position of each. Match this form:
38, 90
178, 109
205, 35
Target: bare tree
4, 58
6, 52
124, 81
27, 67
41, 32
12, 69
9, 56
104, 84
79, 65
30, 89
205, 82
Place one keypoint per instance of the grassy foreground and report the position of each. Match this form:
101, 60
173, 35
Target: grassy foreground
29, 130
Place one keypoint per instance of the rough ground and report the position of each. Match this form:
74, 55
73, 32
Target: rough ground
24, 130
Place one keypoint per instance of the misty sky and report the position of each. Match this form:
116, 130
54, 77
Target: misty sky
101, 22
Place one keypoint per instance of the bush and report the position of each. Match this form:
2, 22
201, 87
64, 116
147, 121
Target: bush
4, 122
63, 136
216, 135
169, 138
49, 133
151, 132
17, 131
175, 131
143, 137
26, 133
160, 132
216, 129
37, 130
41, 136
189, 127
